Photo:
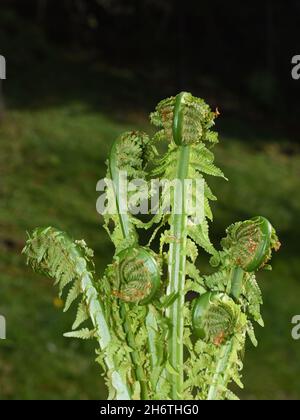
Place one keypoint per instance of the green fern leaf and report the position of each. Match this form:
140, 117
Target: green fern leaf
84, 334
73, 294
199, 234
81, 316
251, 334
191, 250
208, 168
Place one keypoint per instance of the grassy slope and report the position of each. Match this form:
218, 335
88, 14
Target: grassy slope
50, 162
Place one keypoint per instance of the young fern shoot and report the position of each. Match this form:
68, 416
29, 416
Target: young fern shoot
54, 254
155, 342
185, 123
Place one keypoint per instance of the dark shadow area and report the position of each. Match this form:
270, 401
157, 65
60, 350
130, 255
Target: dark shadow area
115, 55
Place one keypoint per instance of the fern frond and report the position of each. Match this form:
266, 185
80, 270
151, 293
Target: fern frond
53, 253
129, 156
221, 320
84, 334
197, 121
200, 234
253, 295
133, 152
217, 281
73, 294
81, 316
251, 334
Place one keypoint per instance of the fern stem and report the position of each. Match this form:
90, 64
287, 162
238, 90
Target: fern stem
156, 355
135, 357
237, 275
116, 178
100, 324
176, 269
55, 254
127, 231
220, 378
139, 371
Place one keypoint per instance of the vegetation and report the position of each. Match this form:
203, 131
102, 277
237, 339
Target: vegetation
143, 323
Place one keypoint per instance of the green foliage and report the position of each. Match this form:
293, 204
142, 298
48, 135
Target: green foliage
54, 254
197, 120
250, 243
143, 347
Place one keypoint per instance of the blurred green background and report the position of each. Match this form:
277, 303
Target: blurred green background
63, 103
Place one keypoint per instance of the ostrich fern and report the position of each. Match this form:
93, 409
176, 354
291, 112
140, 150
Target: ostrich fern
153, 340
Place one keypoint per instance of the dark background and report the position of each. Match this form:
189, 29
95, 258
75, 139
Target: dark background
236, 55
80, 72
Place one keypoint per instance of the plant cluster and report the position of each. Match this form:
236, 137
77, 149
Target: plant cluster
164, 329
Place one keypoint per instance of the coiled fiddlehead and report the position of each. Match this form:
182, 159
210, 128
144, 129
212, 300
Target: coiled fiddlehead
249, 245
136, 278
184, 120
129, 154
139, 275
214, 317
70, 263
138, 270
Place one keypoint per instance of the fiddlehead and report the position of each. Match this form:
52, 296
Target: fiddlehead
185, 122
52, 252
128, 158
214, 317
250, 243
135, 273
138, 275
247, 247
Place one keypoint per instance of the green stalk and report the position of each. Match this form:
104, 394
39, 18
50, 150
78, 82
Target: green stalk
219, 379
139, 371
237, 275
127, 230
135, 357
54, 253
176, 270
155, 352
115, 177
98, 319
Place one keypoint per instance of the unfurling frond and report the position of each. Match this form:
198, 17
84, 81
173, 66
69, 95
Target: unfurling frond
220, 321
131, 152
250, 243
197, 119
54, 254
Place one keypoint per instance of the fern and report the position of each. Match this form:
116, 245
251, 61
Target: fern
155, 339
53, 253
